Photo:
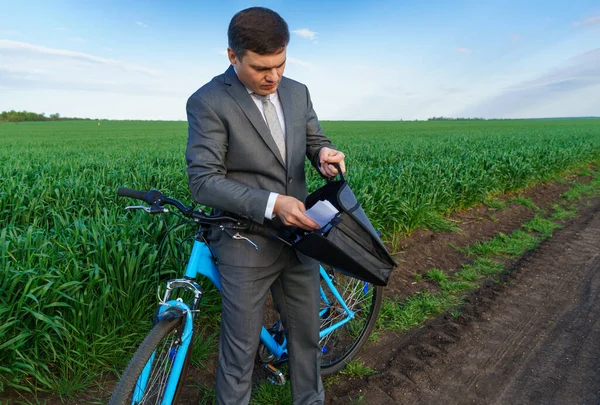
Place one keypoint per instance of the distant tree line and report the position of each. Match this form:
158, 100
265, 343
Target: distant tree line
21, 116
455, 119
509, 119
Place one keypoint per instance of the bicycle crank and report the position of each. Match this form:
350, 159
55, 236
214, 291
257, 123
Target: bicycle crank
277, 377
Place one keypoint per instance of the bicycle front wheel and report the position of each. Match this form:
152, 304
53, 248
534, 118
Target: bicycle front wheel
344, 340
159, 348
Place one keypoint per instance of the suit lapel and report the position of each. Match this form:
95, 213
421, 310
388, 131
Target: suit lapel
286, 103
239, 93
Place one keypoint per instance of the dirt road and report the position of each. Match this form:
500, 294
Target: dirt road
532, 340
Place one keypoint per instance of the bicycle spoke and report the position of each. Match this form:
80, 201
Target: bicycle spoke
161, 369
359, 298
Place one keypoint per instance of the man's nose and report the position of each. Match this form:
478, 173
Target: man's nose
272, 76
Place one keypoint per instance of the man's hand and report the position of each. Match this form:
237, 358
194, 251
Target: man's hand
291, 212
328, 156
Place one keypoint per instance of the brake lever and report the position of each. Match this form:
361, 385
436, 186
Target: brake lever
240, 237
150, 210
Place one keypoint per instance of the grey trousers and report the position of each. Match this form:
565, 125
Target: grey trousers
295, 289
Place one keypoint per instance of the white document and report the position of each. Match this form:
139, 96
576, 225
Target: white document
322, 212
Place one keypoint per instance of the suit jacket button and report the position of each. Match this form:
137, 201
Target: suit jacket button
290, 180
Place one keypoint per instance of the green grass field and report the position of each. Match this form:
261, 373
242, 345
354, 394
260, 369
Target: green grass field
78, 274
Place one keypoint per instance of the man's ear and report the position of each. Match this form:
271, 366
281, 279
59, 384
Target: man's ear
231, 55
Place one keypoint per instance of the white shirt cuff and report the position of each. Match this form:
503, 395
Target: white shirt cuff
270, 206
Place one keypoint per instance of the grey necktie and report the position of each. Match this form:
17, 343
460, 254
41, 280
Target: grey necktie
273, 122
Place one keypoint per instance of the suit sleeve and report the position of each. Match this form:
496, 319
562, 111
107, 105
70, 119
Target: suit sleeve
205, 155
315, 138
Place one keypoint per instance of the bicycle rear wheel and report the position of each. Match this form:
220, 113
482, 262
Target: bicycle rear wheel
164, 340
340, 345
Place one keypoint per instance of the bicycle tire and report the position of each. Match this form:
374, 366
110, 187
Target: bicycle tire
341, 345
164, 331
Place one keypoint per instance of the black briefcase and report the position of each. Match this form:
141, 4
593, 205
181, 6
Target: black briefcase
349, 242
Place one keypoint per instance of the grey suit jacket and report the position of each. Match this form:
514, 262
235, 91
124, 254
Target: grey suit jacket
233, 162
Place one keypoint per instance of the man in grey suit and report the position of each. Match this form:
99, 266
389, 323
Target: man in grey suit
250, 131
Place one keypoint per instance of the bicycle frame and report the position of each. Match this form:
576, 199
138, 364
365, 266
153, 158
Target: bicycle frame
201, 262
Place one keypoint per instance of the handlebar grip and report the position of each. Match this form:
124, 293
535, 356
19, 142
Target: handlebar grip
129, 192
259, 229
151, 197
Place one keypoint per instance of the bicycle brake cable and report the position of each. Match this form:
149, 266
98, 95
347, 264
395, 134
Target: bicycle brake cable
167, 238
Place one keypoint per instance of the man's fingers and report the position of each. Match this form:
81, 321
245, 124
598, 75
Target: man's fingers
291, 212
329, 170
332, 156
308, 223
336, 157
326, 170
303, 222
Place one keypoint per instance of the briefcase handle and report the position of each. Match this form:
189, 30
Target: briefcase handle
339, 169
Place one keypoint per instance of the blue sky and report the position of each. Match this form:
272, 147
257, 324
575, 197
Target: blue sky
361, 59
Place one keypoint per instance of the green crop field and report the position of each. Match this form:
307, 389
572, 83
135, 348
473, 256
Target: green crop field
78, 275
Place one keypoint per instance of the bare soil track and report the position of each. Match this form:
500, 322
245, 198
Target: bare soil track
533, 338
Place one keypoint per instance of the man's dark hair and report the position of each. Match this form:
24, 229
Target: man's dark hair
259, 30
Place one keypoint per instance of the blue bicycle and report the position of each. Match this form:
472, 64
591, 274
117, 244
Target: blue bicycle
156, 373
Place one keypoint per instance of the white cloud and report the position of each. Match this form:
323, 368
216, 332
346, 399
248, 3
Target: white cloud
37, 78
299, 62
589, 21
305, 33
516, 37
23, 70
141, 24
222, 52
547, 94
108, 49
386, 92
395, 91
25, 50
462, 50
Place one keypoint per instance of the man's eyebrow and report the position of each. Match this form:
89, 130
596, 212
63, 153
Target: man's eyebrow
258, 67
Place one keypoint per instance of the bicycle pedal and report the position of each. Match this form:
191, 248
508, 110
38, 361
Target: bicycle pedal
276, 377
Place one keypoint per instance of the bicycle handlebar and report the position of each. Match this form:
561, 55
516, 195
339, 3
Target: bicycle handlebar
157, 200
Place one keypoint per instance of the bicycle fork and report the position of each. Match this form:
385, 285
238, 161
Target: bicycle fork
169, 309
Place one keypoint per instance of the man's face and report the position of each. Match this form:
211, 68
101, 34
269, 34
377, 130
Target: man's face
259, 73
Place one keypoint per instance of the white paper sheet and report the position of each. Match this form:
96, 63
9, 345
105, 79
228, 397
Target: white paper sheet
322, 212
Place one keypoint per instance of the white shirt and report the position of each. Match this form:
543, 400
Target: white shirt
274, 98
